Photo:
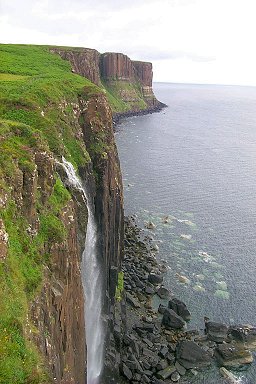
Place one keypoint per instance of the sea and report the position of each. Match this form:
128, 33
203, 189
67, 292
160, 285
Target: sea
190, 170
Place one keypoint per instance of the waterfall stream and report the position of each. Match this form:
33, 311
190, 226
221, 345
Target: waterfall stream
92, 285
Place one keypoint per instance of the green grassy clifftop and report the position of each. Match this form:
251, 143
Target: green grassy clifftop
46, 112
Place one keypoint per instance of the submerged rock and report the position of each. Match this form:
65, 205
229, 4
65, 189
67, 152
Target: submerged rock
182, 279
231, 379
150, 225
222, 294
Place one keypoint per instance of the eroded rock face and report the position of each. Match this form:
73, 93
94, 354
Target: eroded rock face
85, 62
58, 312
116, 66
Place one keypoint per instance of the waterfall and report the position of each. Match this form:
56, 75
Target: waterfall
92, 285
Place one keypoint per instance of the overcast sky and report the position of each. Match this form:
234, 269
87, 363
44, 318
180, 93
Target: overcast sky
195, 41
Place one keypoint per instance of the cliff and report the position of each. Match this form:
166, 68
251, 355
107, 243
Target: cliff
126, 83
48, 112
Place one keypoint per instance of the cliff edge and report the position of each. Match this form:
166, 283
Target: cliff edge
126, 83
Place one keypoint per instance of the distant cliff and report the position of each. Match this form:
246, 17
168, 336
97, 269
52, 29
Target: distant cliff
127, 83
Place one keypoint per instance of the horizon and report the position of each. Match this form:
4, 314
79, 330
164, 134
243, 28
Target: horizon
187, 41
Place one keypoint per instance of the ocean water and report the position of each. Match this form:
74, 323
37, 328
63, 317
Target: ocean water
191, 171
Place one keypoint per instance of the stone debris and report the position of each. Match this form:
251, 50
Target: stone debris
153, 346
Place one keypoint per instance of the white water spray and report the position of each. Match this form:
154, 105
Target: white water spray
92, 284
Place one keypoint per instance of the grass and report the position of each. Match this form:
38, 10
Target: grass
38, 93
118, 92
120, 286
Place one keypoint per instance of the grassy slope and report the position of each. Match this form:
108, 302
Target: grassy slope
38, 97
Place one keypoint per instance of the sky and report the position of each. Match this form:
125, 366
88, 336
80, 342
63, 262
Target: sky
188, 41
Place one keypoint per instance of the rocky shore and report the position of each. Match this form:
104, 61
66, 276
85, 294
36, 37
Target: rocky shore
151, 333
117, 117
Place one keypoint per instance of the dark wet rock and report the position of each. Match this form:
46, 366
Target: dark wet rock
166, 373
163, 351
191, 355
126, 372
161, 308
180, 308
175, 377
149, 291
170, 357
145, 327
244, 333
217, 332
155, 279
180, 368
163, 293
171, 320
233, 355
132, 301
162, 364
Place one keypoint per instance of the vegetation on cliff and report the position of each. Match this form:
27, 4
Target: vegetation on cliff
39, 121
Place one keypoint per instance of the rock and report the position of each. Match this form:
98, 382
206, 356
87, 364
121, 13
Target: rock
163, 293
171, 320
182, 279
149, 291
155, 279
163, 352
165, 373
132, 301
231, 379
161, 308
233, 356
245, 334
149, 225
180, 368
190, 355
175, 377
126, 372
180, 308
162, 364
216, 331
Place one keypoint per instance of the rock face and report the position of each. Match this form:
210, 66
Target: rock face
130, 82
57, 311
84, 61
116, 66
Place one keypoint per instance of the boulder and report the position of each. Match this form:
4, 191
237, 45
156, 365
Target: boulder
126, 372
132, 301
191, 355
165, 373
155, 279
171, 320
163, 293
244, 334
175, 377
217, 332
180, 308
233, 355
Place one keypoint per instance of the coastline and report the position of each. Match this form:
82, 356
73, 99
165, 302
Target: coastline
117, 117
155, 345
